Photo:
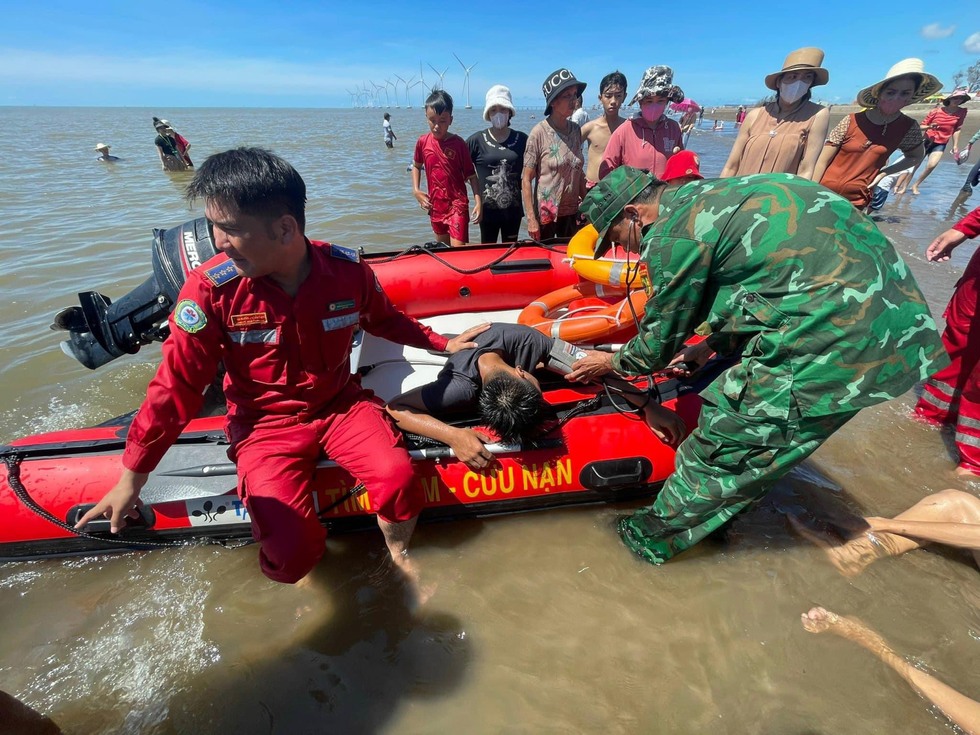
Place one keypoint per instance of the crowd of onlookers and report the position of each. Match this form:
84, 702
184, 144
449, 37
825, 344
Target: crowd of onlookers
544, 175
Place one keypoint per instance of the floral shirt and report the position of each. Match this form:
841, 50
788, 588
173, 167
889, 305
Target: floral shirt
557, 161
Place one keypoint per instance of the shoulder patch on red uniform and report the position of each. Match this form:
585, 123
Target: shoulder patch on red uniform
348, 254
189, 316
222, 273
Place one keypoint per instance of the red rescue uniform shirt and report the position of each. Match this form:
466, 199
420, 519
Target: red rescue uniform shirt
285, 356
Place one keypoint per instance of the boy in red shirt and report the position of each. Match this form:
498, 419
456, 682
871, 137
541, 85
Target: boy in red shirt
448, 167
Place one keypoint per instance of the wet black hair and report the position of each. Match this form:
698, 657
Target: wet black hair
617, 77
441, 101
510, 406
256, 181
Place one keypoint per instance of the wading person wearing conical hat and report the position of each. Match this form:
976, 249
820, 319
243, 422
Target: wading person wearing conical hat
820, 313
859, 147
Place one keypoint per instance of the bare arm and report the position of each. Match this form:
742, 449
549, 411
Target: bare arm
420, 196
410, 414
942, 247
814, 144
910, 160
527, 194
823, 162
474, 183
735, 157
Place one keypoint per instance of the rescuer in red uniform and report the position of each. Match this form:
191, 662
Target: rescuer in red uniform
280, 312
952, 396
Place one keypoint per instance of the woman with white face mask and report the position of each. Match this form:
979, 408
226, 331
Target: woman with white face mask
648, 140
498, 156
859, 147
786, 135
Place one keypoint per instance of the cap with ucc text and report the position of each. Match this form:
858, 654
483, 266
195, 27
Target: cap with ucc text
607, 199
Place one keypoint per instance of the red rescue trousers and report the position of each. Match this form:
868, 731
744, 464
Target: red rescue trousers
952, 396
276, 466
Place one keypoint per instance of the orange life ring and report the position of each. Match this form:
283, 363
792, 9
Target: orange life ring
616, 272
590, 326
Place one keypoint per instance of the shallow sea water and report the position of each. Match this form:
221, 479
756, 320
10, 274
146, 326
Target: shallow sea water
540, 623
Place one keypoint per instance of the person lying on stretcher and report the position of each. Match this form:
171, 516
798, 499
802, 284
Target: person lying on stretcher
497, 378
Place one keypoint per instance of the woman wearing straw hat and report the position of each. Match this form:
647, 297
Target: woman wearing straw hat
860, 145
103, 150
940, 126
553, 182
786, 135
498, 157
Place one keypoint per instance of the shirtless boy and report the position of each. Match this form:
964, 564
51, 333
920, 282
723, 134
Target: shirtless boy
612, 94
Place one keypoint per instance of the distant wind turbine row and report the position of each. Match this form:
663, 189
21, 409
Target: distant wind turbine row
373, 94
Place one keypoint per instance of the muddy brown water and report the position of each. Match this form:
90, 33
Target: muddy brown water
540, 623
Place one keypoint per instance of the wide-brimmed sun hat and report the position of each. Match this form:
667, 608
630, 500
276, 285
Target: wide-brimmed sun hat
604, 202
556, 83
682, 163
958, 92
803, 59
868, 97
102, 147
498, 95
658, 81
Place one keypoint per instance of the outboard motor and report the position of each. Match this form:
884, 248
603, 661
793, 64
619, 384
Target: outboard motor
102, 330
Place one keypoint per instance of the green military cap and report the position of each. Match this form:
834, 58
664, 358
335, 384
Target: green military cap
607, 199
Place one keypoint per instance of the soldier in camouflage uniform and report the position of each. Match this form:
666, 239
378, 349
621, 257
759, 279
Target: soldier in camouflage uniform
824, 313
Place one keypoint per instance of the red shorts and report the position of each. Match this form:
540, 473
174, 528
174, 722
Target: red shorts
455, 224
276, 466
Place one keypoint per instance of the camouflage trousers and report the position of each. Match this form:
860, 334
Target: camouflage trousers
727, 463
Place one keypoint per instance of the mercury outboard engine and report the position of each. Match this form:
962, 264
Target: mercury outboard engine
102, 330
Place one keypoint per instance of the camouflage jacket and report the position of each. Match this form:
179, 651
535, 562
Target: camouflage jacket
824, 310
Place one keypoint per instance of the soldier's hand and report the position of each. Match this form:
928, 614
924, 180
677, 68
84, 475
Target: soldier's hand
593, 366
942, 247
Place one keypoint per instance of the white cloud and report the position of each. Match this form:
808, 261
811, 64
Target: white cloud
972, 44
935, 31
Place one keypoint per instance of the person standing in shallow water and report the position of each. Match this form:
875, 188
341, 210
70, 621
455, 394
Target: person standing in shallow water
858, 148
553, 182
821, 313
389, 134
498, 156
951, 397
787, 134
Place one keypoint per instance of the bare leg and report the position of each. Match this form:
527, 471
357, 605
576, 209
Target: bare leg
962, 710
902, 182
934, 158
397, 536
950, 507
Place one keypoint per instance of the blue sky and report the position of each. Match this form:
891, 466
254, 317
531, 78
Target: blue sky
308, 54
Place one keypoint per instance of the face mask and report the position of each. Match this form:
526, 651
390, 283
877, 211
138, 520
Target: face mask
792, 91
891, 106
653, 111
499, 120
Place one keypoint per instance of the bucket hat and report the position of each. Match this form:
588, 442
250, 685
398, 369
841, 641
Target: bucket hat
659, 81
499, 95
868, 97
803, 59
607, 199
556, 83
958, 92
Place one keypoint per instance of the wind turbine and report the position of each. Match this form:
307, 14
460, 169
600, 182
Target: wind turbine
388, 83
396, 90
422, 79
466, 80
377, 93
353, 98
441, 75
409, 85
